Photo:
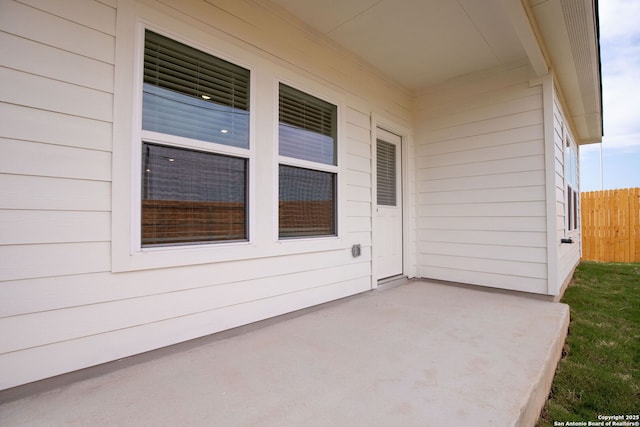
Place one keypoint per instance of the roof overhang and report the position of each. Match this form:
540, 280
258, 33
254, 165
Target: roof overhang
570, 36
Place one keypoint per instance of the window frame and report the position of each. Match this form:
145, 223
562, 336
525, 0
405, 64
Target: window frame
198, 205
128, 253
141, 136
571, 188
337, 169
266, 73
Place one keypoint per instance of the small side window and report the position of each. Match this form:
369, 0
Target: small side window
571, 178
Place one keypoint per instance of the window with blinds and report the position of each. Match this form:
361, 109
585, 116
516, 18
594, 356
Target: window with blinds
386, 173
307, 127
306, 203
192, 197
192, 94
307, 194
571, 178
192, 194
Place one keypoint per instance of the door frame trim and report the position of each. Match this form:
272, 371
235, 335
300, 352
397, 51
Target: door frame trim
378, 121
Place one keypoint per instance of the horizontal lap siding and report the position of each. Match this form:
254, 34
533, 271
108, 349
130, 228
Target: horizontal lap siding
77, 35
56, 111
26, 332
481, 182
568, 254
359, 179
55, 210
72, 354
55, 121
53, 293
55, 136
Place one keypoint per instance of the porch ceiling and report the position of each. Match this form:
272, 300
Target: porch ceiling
417, 43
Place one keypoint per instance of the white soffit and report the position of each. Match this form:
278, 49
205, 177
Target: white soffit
568, 28
417, 43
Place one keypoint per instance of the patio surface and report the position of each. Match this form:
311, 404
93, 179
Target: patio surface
416, 354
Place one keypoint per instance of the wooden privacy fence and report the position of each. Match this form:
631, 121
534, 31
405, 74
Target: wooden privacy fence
611, 225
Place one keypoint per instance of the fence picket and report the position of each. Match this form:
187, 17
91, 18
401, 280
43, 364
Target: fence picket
611, 225
634, 223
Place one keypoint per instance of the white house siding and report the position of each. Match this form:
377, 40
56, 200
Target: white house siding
481, 181
568, 254
56, 108
61, 307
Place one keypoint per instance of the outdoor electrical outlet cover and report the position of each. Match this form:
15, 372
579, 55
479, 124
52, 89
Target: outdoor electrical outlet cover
356, 250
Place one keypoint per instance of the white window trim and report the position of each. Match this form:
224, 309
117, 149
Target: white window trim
339, 169
127, 250
127, 254
140, 135
569, 145
194, 144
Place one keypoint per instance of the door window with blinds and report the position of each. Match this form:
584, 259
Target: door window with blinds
195, 146
308, 166
386, 173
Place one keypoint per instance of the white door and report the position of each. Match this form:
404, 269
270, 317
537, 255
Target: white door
388, 232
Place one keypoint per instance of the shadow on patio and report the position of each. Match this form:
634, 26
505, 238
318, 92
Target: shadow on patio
415, 354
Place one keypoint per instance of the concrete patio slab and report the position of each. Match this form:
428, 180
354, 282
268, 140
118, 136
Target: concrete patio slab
417, 354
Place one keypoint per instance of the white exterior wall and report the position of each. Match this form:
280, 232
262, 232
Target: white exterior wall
488, 207
481, 181
568, 254
62, 306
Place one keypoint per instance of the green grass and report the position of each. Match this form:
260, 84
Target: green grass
599, 373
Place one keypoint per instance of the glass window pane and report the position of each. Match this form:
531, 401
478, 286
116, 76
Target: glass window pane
190, 196
192, 94
308, 127
570, 208
307, 202
306, 145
